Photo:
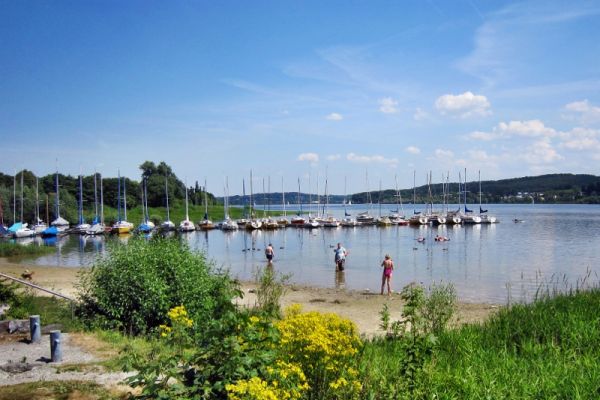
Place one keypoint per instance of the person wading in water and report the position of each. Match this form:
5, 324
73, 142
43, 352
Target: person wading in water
340, 257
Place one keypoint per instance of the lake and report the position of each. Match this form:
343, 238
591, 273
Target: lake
554, 246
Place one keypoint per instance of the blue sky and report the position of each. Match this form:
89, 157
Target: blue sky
296, 89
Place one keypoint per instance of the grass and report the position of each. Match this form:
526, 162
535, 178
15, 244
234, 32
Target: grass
545, 350
8, 249
59, 390
51, 309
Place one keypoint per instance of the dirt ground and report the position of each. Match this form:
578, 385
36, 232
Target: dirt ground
361, 307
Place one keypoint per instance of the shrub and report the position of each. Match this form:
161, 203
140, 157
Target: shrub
438, 307
271, 287
325, 346
135, 285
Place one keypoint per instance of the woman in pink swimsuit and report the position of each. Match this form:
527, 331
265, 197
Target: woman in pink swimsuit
388, 267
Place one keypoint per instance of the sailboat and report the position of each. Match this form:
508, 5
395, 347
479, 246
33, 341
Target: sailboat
3, 228
347, 221
81, 226
167, 225
268, 222
121, 226
244, 220
186, 225
382, 220
59, 223
97, 227
417, 218
39, 225
312, 222
329, 221
434, 217
146, 226
254, 223
485, 218
283, 221
23, 231
454, 217
227, 224
298, 220
395, 216
365, 218
468, 217
206, 224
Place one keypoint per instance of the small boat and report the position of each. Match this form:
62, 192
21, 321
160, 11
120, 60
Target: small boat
60, 223
364, 218
349, 222
270, 223
298, 220
121, 227
485, 218
81, 226
52, 231
384, 221
146, 226
283, 221
331, 222
21, 229
98, 227
227, 224
186, 225
39, 225
311, 223
206, 224
167, 225
518, 221
436, 219
418, 219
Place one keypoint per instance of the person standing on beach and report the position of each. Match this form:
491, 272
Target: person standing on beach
269, 253
340, 257
388, 267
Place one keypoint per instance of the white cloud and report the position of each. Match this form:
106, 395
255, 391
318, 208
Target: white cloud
531, 128
413, 150
311, 157
583, 111
387, 105
441, 153
371, 159
334, 117
581, 139
419, 114
487, 136
540, 152
333, 157
463, 105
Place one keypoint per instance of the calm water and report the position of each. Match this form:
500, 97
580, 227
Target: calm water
486, 263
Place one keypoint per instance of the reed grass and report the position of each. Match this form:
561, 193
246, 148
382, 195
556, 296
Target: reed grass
11, 249
547, 349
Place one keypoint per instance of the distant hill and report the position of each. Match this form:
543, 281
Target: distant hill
551, 188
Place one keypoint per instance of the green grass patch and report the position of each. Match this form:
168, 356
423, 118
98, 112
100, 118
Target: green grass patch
545, 350
51, 309
10, 249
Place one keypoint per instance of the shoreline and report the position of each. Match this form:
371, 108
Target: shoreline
362, 307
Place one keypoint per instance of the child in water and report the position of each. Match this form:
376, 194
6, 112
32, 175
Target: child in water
388, 267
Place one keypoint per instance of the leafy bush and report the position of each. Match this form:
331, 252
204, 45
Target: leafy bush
325, 346
439, 307
271, 287
135, 285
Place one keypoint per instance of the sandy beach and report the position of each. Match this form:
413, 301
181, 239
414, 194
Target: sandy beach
361, 307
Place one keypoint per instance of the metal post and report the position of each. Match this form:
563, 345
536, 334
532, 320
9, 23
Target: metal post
35, 328
55, 346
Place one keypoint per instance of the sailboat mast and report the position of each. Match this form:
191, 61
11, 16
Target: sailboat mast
147, 216
345, 196
187, 215
101, 203
479, 173
37, 200
21, 195
57, 194
167, 193
264, 199
15, 197
80, 198
379, 198
119, 195
283, 198
251, 201
299, 200
414, 191
205, 201
125, 198
96, 195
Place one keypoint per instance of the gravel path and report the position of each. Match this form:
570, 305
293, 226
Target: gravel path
22, 362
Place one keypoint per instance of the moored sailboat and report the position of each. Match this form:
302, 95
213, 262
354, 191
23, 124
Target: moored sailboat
186, 225
167, 225
122, 226
206, 224
98, 227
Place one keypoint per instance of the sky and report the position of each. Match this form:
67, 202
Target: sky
363, 92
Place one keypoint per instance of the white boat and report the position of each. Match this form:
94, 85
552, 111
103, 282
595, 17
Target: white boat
59, 223
437, 219
468, 217
298, 220
485, 218
146, 226
227, 224
81, 226
98, 227
384, 221
349, 222
283, 221
331, 222
122, 226
364, 218
206, 224
39, 225
186, 225
167, 225
311, 223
